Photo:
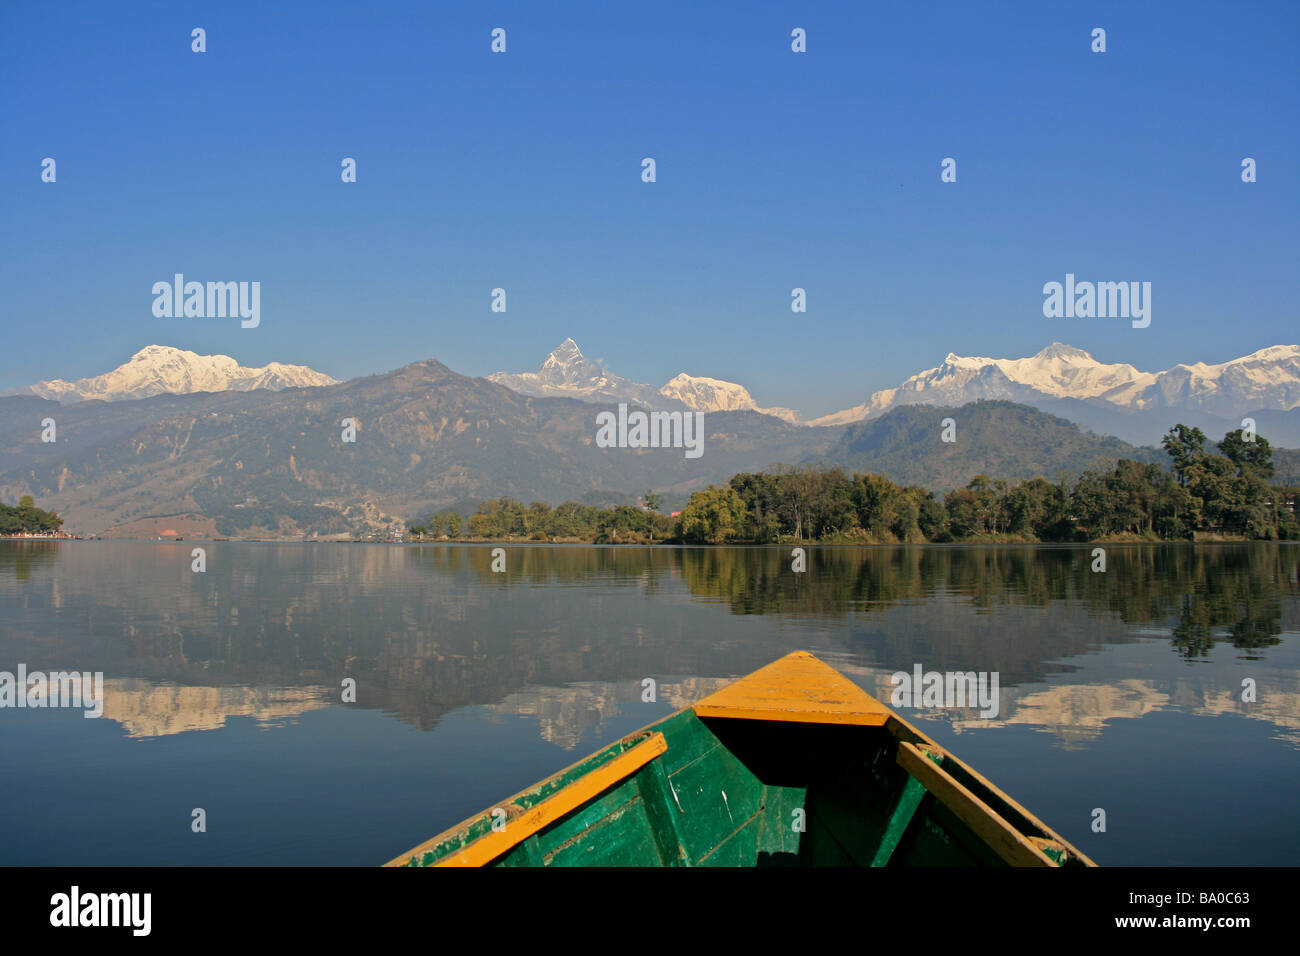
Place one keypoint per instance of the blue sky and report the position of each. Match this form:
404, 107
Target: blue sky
522, 170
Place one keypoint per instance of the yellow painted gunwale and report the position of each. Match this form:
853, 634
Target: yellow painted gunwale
491, 845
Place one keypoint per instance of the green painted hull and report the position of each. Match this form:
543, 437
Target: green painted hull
739, 792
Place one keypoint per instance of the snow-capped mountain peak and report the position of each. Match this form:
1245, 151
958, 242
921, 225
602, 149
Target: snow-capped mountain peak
567, 363
1268, 378
715, 395
708, 394
161, 369
567, 373
1059, 350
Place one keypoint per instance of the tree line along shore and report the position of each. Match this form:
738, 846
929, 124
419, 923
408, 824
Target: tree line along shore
1222, 493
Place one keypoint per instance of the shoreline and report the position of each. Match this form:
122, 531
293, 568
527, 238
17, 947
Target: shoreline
530, 542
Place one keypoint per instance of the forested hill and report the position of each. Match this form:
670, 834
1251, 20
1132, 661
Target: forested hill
997, 439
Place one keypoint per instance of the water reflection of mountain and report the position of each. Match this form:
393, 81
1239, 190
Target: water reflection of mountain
154, 710
565, 715
1074, 713
1078, 713
427, 630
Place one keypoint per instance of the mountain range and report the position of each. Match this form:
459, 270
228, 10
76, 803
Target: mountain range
1109, 398
277, 462
1269, 378
1116, 399
162, 370
272, 458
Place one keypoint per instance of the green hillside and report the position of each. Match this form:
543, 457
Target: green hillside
998, 439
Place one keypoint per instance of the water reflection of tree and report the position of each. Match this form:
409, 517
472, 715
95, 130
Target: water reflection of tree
1232, 599
1229, 592
20, 557
552, 564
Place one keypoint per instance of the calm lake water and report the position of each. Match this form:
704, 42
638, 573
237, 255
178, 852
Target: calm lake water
1120, 691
